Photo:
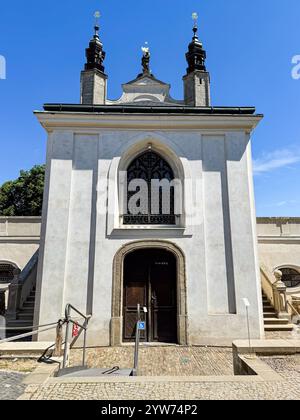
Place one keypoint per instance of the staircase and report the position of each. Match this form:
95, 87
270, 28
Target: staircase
21, 300
24, 319
271, 321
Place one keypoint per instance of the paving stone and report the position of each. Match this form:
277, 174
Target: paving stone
170, 391
288, 388
162, 361
165, 361
11, 387
284, 335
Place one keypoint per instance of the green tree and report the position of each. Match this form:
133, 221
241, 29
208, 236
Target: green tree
24, 196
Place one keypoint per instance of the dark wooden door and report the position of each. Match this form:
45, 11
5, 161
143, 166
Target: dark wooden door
163, 298
150, 280
136, 275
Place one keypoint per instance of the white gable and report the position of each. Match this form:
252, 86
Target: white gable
146, 90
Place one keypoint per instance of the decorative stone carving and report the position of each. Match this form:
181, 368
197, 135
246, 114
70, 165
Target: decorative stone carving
280, 298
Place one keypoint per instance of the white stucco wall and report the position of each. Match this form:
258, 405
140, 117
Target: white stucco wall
19, 239
279, 244
218, 240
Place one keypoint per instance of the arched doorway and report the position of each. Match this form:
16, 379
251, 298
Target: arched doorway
153, 251
150, 280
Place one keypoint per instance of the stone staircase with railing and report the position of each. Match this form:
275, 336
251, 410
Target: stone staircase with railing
24, 320
21, 301
275, 304
271, 321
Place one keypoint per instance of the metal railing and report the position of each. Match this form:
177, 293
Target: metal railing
32, 333
294, 310
68, 321
83, 328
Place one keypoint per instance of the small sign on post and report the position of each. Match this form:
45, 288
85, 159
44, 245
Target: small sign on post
142, 325
75, 331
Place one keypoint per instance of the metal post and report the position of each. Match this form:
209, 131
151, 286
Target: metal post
66, 339
137, 341
84, 347
248, 326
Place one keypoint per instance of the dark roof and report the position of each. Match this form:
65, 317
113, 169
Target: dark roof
135, 109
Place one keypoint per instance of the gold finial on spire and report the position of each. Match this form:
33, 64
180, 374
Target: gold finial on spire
97, 16
195, 18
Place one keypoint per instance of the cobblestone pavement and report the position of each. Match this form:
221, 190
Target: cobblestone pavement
17, 365
288, 367
287, 390
11, 387
284, 335
162, 361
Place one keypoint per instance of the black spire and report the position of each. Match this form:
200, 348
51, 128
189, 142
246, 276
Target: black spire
196, 55
94, 53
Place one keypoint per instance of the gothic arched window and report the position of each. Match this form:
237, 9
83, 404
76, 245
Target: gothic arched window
290, 277
150, 191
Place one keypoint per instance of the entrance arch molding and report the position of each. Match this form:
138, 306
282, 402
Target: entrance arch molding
117, 288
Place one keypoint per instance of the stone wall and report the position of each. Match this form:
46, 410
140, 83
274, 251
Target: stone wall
278, 240
279, 244
84, 230
19, 239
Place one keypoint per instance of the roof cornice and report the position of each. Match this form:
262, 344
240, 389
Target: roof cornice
52, 120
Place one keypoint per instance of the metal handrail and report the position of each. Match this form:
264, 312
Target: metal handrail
84, 327
28, 327
32, 333
293, 308
58, 325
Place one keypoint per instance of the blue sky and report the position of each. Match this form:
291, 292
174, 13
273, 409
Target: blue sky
250, 46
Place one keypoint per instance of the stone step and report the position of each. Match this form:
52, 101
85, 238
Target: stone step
268, 308
19, 323
15, 333
270, 314
276, 321
27, 310
25, 316
276, 327
28, 305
